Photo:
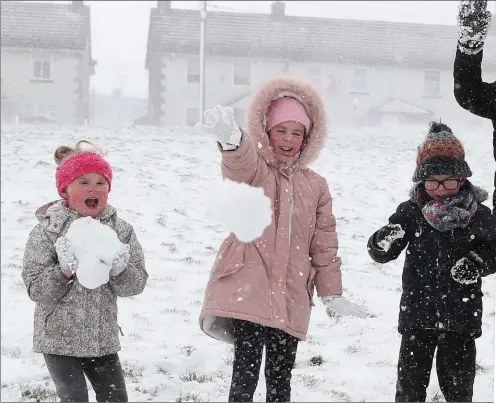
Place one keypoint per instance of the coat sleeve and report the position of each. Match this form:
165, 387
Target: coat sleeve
41, 272
487, 248
243, 164
487, 253
133, 278
470, 91
401, 217
324, 248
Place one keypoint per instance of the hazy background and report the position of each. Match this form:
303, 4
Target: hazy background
120, 29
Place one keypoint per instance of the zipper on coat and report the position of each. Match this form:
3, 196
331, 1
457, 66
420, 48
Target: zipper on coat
120, 330
440, 325
291, 210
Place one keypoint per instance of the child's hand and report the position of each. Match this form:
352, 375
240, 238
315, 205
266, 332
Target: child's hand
337, 306
221, 124
67, 261
120, 261
473, 25
387, 235
467, 270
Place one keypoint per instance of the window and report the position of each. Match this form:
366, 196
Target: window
241, 72
42, 69
193, 70
360, 81
432, 83
192, 116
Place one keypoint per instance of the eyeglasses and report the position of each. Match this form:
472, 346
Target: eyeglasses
448, 184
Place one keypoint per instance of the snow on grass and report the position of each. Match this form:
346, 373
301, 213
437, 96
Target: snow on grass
162, 179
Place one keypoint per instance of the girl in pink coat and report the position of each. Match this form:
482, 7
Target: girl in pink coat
261, 293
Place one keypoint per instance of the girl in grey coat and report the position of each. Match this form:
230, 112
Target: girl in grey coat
76, 328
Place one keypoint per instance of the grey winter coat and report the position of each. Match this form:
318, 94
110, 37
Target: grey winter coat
70, 319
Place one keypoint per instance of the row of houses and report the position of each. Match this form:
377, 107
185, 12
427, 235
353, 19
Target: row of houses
366, 71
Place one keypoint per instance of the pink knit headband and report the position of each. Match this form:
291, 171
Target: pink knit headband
81, 164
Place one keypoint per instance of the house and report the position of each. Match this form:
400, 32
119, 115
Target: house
116, 110
358, 66
46, 62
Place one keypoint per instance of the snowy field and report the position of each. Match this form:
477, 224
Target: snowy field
162, 179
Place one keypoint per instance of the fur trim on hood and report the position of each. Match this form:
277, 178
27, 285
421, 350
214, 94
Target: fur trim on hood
311, 100
480, 193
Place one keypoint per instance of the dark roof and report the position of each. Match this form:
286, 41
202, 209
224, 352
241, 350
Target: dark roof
307, 38
45, 25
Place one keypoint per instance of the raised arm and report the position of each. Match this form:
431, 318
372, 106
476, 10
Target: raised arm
240, 160
470, 91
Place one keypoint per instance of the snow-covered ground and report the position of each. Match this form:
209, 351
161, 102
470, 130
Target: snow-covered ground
163, 178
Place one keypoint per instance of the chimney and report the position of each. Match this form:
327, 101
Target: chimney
278, 9
77, 5
163, 6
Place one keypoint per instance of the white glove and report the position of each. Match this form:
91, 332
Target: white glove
337, 306
221, 124
120, 261
67, 261
473, 25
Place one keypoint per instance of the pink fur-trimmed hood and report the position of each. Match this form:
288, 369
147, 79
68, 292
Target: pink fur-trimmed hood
303, 92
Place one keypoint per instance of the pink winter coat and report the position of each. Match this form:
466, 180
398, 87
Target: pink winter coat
270, 281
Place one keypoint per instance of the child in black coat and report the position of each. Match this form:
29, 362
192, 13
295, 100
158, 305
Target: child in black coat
450, 238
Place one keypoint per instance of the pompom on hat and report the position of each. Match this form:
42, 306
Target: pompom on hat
441, 153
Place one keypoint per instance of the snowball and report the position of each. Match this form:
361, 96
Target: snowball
95, 246
241, 209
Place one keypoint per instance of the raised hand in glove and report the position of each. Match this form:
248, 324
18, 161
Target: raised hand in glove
473, 25
221, 124
337, 306
67, 261
467, 270
120, 261
387, 235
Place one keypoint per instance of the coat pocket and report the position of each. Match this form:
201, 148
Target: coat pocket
310, 285
232, 259
62, 322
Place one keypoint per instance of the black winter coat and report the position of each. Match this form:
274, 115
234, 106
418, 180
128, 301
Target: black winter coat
475, 95
431, 299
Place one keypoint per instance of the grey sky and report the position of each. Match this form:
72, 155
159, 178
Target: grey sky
120, 29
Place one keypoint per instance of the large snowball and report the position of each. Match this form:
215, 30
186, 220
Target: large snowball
95, 246
241, 209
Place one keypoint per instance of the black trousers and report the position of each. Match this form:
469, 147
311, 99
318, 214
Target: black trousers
455, 365
280, 355
104, 373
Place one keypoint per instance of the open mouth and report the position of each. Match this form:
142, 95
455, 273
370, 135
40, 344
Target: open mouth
91, 202
286, 149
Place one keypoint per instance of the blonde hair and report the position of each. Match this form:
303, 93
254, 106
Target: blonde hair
82, 146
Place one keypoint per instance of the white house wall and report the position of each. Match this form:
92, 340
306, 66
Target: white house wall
60, 94
334, 82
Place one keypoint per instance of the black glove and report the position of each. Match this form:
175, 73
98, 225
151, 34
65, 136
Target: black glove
473, 25
468, 269
388, 235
